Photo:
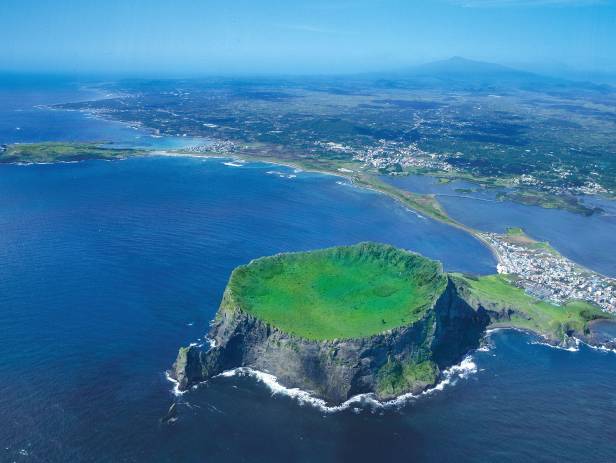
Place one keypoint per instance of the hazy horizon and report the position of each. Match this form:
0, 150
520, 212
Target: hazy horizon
137, 37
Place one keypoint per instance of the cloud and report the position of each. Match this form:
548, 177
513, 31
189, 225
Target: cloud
524, 3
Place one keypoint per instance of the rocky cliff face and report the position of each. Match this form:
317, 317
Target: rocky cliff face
406, 359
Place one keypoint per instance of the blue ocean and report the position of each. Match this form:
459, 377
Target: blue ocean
585, 240
106, 268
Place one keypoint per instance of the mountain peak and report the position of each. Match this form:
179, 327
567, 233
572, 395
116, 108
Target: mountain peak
460, 65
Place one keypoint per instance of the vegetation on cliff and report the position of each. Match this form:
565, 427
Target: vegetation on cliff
368, 318
338, 293
396, 377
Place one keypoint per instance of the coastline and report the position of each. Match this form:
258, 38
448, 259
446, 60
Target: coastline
424, 206
545, 200
392, 192
460, 371
450, 376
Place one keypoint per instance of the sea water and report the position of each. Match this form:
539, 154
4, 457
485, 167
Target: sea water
588, 240
106, 268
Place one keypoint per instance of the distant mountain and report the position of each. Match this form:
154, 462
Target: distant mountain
462, 73
462, 67
462, 70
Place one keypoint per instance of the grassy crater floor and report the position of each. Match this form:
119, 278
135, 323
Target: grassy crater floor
338, 293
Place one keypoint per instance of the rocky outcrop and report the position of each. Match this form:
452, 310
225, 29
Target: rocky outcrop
405, 359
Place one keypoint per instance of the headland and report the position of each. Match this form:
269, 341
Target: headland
367, 318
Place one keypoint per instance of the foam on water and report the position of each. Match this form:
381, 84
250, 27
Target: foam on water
484, 349
281, 174
176, 385
575, 348
68, 403
411, 211
552, 346
234, 163
347, 184
450, 377
601, 348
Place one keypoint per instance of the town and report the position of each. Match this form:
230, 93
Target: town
545, 274
391, 155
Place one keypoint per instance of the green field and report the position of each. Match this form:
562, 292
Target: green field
338, 293
496, 292
55, 152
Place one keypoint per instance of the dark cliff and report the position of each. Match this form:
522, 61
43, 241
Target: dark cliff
405, 359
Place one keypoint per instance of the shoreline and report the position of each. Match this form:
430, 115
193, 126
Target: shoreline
352, 180
363, 180
460, 371
461, 176
368, 181
450, 377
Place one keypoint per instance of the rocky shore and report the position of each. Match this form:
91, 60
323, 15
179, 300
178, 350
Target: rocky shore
404, 359
408, 358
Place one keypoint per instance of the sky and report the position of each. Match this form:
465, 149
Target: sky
186, 37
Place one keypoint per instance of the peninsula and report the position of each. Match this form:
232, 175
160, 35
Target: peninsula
50, 152
540, 269
367, 318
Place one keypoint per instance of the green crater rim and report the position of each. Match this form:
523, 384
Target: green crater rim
344, 292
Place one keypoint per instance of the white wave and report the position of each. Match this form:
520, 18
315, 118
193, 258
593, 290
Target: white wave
176, 385
354, 186
280, 174
45, 163
185, 154
303, 397
414, 212
28, 163
234, 163
600, 348
575, 348
450, 377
